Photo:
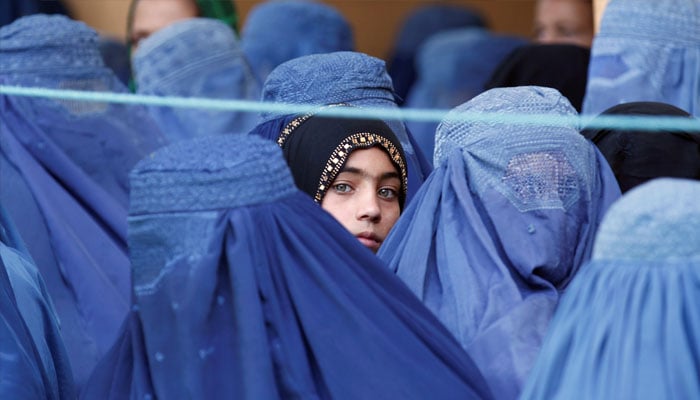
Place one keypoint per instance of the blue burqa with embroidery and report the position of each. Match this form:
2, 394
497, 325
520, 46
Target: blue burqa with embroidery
342, 77
245, 288
197, 57
646, 50
501, 226
34, 363
64, 176
627, 326
276, 31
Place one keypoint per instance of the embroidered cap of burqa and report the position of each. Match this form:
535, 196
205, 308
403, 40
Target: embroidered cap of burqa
201, 58
501, 226
245, 288
626, 327
64, 168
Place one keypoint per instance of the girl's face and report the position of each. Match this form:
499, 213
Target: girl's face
364, 197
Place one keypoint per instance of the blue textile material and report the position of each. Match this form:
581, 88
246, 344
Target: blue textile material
453, 67
64, 177
198, 57
344, 77
500, 227
245, 288
424, 22
276, 31
627, 328
34, 364
646, 50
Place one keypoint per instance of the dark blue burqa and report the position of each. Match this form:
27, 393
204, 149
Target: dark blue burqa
34, 364
245, 288
64, 176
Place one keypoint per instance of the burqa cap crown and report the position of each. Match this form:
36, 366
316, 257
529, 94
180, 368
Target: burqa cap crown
40, 42
455, 132
208, 173
656, 221
184, 48
666, 20
330, 78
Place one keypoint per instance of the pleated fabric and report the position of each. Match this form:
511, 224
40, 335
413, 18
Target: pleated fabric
646, 50
627, 327
64, 176
245, 288
199, 58
501, 227
34, 363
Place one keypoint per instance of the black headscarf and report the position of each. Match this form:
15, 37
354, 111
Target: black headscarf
560, 66
317, 147
639, 156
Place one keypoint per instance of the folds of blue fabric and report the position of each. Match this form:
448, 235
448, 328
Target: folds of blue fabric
626, 330
23, 376
34, 363
263, 307
37, 311
75, 232
490, 283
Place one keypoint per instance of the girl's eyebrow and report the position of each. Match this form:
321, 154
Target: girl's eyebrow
366, 174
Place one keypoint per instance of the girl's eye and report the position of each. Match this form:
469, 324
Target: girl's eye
341, 187
387, 193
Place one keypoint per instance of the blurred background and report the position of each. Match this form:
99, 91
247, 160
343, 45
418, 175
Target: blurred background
375, 23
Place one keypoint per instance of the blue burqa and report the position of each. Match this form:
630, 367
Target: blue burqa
342, 77
244, 288
420, 25
500, 228
627, 327
646, 50
276, 31
34, 364
452, 67
198, 57
64, 176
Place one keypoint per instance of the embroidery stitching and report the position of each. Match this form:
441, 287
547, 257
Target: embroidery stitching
340, 154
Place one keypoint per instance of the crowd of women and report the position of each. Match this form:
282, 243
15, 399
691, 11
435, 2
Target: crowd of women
163, 252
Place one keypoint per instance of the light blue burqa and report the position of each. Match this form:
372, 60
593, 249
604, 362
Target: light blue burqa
501, 226
646, 50
628, 326
198, 57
